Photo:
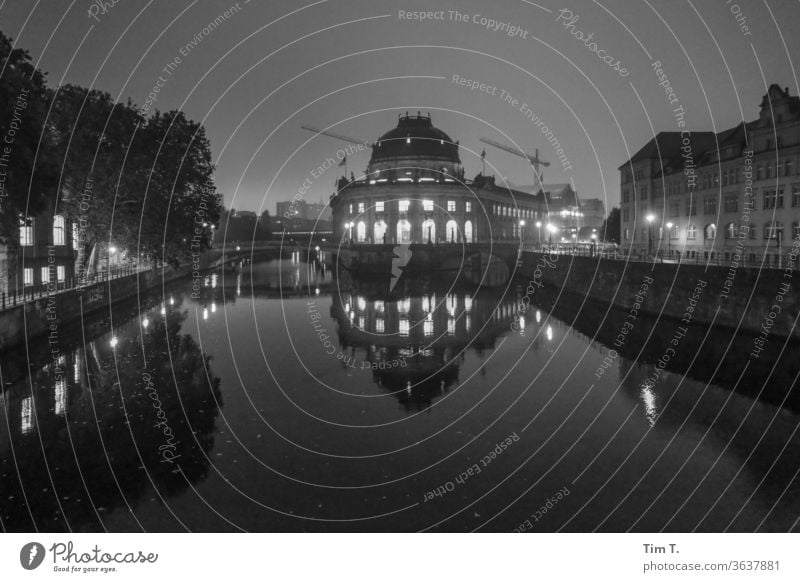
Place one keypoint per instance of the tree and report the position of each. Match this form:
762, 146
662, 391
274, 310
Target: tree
179, 201
92, 145
610, 231
27, 178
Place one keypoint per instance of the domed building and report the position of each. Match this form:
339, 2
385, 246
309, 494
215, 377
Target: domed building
414, 192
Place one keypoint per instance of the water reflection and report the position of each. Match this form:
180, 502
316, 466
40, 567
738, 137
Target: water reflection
415, 337
105, 423
85, 447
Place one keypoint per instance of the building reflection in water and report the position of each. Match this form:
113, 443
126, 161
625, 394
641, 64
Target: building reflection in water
84, 436
415, 338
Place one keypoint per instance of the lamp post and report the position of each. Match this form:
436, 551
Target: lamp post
778, 241
551, 228
669, 239
650, 218
539, 232
521, 233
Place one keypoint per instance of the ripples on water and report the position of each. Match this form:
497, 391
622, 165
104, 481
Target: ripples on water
285, 399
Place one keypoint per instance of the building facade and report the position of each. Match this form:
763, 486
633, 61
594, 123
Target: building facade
46, 254
733, 195
414, 192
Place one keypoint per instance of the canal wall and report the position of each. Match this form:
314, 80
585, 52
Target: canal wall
44, 317
763, 302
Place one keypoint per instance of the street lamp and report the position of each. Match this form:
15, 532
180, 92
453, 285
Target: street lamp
650, 218
539, 232
521, 232
669, 239
551, 228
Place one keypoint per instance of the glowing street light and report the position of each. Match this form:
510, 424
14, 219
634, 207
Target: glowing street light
551, 229
669, 238
521, 231
650, 218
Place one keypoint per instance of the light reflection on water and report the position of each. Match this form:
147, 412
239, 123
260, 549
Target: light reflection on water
280, 428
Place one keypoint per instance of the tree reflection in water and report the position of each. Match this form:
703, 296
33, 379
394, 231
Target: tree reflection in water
85, 434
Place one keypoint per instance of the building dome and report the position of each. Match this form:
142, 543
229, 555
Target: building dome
415, 144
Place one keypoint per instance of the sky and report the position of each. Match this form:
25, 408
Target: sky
268, 67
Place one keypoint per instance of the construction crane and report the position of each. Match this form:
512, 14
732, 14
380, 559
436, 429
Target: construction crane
337, 136
533, 159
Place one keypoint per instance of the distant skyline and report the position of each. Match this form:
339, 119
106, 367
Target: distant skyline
254, 73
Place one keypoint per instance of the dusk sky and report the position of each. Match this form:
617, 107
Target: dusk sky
270, 67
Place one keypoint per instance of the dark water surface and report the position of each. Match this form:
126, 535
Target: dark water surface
283, 400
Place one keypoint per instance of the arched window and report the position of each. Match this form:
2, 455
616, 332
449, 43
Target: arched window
730, 230
429, 231
403, 232
361, 231
468, 232
710, 231
451, 231
379, 232
691, 232
59, 231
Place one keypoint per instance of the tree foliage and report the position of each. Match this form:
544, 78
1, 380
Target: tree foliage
24, 99
141, 184
610, 231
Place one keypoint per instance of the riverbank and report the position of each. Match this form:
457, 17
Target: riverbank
44, 317
762, 302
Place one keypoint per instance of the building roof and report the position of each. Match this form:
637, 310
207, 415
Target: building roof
707, 146
415, 137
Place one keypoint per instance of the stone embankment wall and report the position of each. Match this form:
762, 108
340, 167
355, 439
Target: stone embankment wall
37, 319
759, 301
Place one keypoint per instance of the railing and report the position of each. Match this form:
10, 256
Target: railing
770, 261
34, 292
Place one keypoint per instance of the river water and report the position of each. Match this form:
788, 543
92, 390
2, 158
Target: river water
280, 398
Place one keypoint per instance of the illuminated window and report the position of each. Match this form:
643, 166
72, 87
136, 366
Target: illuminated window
27, 277
379, 206
75, 236
59, 231
26, 415
691, 232
427, 205
404, 327
45, 274
468, 206
26, 232
379, 325
403, 205
61, 397
61, 274
451, 206
361, 208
